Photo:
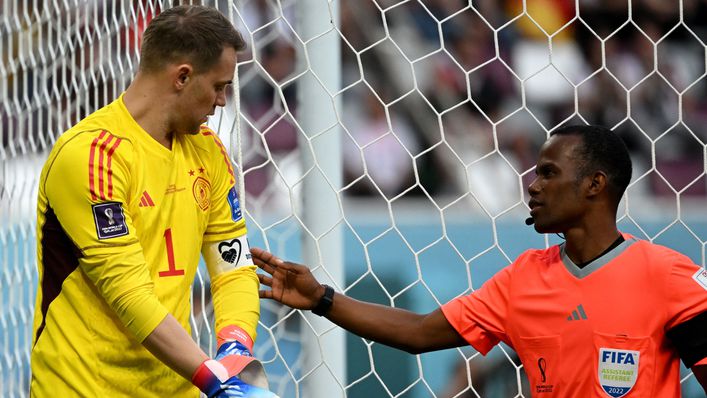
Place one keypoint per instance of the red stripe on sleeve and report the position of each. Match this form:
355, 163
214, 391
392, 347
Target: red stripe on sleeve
110, 168
91, 161
101, 150
228, 163
223, 152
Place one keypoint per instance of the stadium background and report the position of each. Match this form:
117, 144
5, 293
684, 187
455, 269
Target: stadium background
445, 102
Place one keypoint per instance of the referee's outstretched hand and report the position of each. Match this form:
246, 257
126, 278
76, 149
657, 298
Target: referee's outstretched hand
290, 284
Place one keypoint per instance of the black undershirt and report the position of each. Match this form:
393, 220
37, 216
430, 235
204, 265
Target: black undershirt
611, 247
690, 339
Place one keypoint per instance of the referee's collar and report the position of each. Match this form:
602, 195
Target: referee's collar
596, 263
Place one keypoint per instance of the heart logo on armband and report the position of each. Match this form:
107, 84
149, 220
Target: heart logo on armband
230, 251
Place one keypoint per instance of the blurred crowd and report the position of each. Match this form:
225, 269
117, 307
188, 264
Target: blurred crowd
443, 97
438, 96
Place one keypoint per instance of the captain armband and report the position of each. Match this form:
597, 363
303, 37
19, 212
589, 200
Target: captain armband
227, 255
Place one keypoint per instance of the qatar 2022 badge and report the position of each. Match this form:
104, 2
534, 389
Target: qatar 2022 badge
109, 219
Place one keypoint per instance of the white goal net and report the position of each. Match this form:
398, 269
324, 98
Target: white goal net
386, 143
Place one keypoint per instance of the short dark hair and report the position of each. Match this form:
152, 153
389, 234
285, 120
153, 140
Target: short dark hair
602, 150
195, 34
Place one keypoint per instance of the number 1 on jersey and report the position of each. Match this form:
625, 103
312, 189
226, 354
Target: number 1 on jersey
172, 271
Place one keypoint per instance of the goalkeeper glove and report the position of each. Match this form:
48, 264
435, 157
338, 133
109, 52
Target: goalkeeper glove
234, 372
212, 378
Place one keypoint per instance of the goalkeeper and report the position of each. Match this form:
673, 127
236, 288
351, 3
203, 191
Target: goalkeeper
128, 200
601, 315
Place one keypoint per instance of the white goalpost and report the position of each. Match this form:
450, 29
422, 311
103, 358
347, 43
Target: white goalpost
388, 144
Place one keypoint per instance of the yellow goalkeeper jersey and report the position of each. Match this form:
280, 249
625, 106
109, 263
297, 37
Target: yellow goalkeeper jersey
121, 223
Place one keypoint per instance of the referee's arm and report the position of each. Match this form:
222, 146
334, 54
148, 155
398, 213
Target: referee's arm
690, 340
294, 285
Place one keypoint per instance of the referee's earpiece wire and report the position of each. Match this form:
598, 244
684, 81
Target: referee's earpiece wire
531, 221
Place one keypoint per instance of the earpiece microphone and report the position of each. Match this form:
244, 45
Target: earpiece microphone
529, 221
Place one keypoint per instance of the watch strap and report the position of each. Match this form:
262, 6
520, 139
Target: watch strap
325, 302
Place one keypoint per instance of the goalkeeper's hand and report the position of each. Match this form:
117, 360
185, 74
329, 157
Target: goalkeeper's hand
212, 379
234, 372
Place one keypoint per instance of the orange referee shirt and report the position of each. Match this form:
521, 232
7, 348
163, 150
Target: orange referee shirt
599, 331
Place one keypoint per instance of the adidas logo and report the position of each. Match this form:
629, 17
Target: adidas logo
146, 200
577, 314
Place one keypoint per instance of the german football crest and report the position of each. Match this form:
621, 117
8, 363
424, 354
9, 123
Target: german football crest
202, 193
618, 371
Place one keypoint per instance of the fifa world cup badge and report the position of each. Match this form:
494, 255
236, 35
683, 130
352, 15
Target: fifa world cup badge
701, 278
109, 220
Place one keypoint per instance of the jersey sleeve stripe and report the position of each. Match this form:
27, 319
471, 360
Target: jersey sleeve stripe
110, 168
101, 167
91, 165
226, 159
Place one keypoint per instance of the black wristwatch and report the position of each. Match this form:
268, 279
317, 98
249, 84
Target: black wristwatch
325, 302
